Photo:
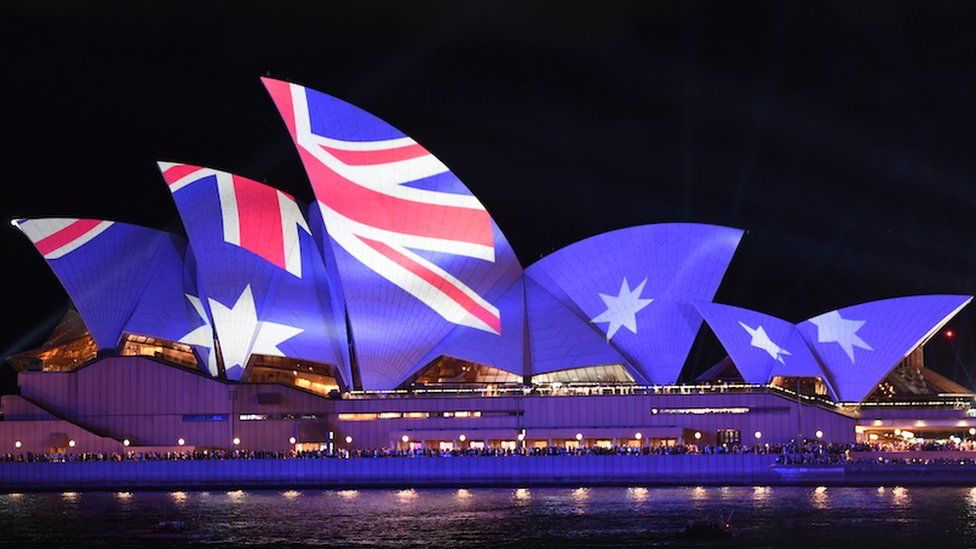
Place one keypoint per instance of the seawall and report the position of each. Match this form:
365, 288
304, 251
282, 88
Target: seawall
467, 471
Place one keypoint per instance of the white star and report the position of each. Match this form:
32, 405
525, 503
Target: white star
831, 327
622, 308
203, 335
760, 340
241, 333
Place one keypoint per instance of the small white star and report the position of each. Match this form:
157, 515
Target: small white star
833, 328
203, 335
241, 333
622, 308
760, 340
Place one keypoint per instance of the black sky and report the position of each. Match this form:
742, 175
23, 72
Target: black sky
838, 133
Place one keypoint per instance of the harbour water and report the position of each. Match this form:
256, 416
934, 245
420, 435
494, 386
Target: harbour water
597, 516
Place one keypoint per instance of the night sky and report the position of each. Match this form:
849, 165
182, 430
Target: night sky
838, 134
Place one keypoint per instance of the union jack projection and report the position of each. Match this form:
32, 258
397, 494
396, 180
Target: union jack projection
54, 238
395, 209
256, 217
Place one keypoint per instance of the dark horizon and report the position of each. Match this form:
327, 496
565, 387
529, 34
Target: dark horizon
837, 135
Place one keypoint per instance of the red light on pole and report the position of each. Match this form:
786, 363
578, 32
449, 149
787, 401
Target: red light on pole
950, 334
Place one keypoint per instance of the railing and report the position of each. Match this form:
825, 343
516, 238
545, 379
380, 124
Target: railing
562, 390
952, 401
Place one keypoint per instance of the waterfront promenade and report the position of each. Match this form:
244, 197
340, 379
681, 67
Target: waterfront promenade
688, 469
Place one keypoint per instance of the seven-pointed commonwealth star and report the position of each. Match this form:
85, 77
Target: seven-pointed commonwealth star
760, 340
622, 308
238, 326
833, 328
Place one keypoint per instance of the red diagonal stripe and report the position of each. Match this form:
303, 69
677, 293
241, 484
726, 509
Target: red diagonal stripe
439, 282
179, 171
280, 93
65, 236
382, 156
386, 212
259, 218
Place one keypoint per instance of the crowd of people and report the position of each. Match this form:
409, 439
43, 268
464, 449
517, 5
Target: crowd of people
807, 452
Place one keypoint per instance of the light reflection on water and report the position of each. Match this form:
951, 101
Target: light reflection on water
602, 516
406, 495
819, 498
760, 493
900, 497
638, 493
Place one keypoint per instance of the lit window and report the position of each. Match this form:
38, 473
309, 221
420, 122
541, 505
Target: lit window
357, 417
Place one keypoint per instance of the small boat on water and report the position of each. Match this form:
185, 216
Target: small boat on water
707, 529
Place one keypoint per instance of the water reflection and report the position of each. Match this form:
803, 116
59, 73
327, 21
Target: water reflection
819, 499
467, 517
406, 495
638, 494
580, 495
899, 496
760, 493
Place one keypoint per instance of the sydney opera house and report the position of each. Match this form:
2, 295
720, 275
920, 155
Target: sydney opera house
392, 312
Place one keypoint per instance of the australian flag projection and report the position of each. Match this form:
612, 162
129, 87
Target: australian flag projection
259, 267
397, 263
420, 260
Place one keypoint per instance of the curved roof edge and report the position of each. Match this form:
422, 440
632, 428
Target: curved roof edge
631, 228
762, 346
636, 286
165, 164
859, 345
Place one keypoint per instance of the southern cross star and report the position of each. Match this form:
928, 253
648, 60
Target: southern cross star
622, 308
833, 328
761, 340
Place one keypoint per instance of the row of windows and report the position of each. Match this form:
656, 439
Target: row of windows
460, 414
725, 410
266, 417
195, 418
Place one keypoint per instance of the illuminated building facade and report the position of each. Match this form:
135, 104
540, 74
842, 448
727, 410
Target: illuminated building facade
392, 311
